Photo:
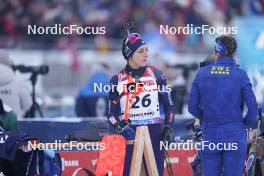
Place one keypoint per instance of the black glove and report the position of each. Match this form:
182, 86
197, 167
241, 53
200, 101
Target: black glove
119, 126
166, 134
197, 134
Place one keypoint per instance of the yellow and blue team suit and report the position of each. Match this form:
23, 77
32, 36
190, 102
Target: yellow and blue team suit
217, 98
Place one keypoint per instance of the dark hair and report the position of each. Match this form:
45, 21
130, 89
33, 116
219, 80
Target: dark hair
230, 43
123, 47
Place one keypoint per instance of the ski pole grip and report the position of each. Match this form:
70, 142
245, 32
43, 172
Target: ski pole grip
260, 113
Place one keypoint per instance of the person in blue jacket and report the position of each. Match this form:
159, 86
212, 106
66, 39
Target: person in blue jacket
217, 96
145, 106
92, 102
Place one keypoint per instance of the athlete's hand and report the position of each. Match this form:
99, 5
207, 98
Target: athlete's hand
166, 134
119, 126
197, 129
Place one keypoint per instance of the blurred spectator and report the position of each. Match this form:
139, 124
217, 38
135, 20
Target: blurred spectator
256, 7
91, 101
8, 119
13, 92
16, 15
178, 84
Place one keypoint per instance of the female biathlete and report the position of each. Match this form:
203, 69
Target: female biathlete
128, 111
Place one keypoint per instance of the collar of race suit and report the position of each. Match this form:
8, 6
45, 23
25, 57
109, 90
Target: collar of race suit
135, 72
226, 60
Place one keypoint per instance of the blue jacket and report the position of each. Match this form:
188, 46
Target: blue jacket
88, 90
219, 92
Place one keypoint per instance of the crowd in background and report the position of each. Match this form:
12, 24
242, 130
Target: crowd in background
15, 15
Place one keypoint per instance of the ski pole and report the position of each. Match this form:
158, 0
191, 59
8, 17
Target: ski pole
258, 130
168, 164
